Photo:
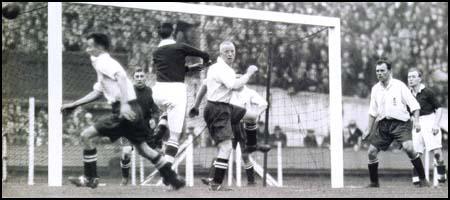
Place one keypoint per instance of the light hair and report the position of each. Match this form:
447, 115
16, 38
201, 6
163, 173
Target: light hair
138, 69
225, 43
419, 72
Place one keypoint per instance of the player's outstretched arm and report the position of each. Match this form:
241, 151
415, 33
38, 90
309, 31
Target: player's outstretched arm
233, 83
92, 96
194, 110
125, 108
198, 66
192, 51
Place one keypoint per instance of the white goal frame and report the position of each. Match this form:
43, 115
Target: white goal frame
55, 46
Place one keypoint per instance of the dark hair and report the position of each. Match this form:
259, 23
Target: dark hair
165, 30
100, 39
384, 61
416, 70
138, 69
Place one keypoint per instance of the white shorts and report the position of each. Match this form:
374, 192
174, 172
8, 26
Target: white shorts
425, 140
171, 97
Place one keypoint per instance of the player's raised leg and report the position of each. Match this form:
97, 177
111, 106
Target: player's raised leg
165, 168
251, 143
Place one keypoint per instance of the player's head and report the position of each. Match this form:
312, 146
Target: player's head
184, 32
352, 123
97, 43
383, 70
414, 77
227, 52
139, 77
277, 129
165, 30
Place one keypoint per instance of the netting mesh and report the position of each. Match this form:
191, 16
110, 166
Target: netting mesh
299, 101
24, 75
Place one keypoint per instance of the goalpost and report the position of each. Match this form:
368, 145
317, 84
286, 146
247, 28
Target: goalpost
334, 62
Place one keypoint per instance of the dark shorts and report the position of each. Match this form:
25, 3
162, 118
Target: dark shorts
387, 131
239, 135
218, 120
112, 126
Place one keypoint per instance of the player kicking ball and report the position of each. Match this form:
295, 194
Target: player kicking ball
126, 119
247, 106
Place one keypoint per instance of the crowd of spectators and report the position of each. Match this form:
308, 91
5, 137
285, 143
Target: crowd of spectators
15, 124
410, 34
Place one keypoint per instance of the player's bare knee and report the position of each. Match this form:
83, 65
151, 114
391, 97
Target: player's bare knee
372, 153
85, 138
126, 152
88, 133
437, 154
408, 147
245, 157
225, 148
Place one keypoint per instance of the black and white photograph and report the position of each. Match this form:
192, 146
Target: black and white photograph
224, 99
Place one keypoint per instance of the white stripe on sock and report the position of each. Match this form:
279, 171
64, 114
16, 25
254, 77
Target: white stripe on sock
90, 160
373, 161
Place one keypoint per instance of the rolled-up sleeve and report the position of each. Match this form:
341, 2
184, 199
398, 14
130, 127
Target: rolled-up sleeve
97, 87
373, 106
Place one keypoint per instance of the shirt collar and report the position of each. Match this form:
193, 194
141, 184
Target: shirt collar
389, 84
103, 55
421, 87
221, 61
165, 42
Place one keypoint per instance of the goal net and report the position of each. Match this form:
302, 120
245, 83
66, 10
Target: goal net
24, 91
297, 56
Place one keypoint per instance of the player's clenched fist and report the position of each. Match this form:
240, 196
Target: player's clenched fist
67, 108
252, 69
